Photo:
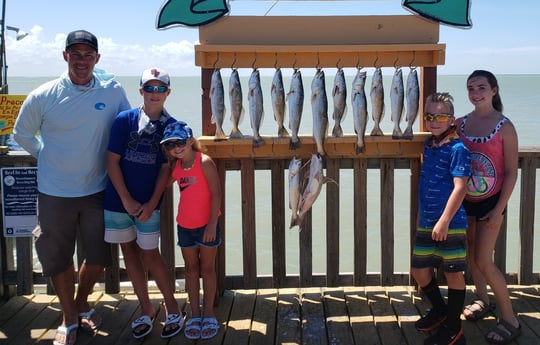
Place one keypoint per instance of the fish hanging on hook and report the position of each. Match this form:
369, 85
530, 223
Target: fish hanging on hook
237, 108
397, 96
339, 97
412, 94
217, 104
277, 93
256, 109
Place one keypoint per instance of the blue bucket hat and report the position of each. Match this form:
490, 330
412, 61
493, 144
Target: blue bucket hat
178, 130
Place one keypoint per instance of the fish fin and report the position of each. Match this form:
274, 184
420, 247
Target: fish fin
408, 133
397, 133
376, 131
282, 132
236, 133
293, 145
337, 131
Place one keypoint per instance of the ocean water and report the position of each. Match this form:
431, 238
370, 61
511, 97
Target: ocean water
521, 103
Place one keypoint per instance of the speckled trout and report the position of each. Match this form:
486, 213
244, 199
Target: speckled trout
377, 101
278, 102
295, 101
319, 108
412, 94
359, 106
217, 104
397, 97
339, 96
256, 112
294, 188
237, 108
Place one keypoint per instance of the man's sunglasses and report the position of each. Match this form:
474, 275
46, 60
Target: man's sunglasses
437, 117
158, 88
169, 145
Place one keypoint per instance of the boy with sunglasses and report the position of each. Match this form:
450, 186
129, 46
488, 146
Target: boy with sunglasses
138, 175
442, 222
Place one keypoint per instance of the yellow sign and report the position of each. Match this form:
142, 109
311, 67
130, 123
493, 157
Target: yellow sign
9, 109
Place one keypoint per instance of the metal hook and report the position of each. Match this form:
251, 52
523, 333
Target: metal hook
254, 61
337, 63
414, 58
215, 62
376, 59
275, 63
396, 60
358, 61
234, 61
294, 63
318, 62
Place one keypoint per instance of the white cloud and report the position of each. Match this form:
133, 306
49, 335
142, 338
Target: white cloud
32, 56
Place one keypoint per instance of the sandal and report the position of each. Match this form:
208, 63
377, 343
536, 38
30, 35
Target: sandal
210, 327
173, 325
193, 328
89, 321
507, 332
141, 327
66, 335
478, 309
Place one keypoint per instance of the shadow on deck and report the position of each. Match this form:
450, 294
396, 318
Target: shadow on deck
345, 315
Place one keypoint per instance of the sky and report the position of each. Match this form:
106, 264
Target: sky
504, 38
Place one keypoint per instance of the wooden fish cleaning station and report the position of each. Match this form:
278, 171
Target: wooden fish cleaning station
305, 43
317, 42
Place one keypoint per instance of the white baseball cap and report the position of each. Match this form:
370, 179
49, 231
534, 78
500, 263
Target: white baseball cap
155, 74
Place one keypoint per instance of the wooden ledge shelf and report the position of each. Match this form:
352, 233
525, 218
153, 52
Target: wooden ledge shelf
344, 147
304, 56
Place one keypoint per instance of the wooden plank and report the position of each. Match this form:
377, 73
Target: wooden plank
342, 147
361, 319
220, 256
13, 327
332, 223
248, 223
526, 220
289, 326
278, 222
387, 221
360, 221
313, 317
406, 312
384, 317
223, 311
306, 251
25, 285
415, 183
337, 317
324, 30
239, 325
12, 306
263, 325
168, 230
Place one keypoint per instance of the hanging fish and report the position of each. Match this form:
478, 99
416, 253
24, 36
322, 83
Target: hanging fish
412, 102
359, 106
278, 102
377, 101
294, 188
217, 104
339, 95
397, 96
312, 189
256, 112
319, 107
235, 98
295, 100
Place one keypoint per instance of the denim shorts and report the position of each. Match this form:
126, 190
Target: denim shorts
190, 238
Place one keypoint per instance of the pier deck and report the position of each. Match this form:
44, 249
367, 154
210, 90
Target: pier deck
344, 315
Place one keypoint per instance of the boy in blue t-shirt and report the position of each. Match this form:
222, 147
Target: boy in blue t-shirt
138, 174
442, 221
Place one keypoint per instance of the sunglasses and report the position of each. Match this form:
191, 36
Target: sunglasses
169, 145
437, 117
158, 88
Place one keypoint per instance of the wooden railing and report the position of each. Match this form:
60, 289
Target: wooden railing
382, 154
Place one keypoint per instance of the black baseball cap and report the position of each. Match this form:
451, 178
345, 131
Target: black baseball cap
82, 37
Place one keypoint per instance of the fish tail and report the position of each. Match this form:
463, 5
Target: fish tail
408, 133
282, 132
397, 133
294, 144
235, 133
376, 131
360, 148
258, 141
220, 135
337, 131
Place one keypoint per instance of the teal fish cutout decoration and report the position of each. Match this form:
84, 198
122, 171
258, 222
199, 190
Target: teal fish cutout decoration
449, 12
190, 12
